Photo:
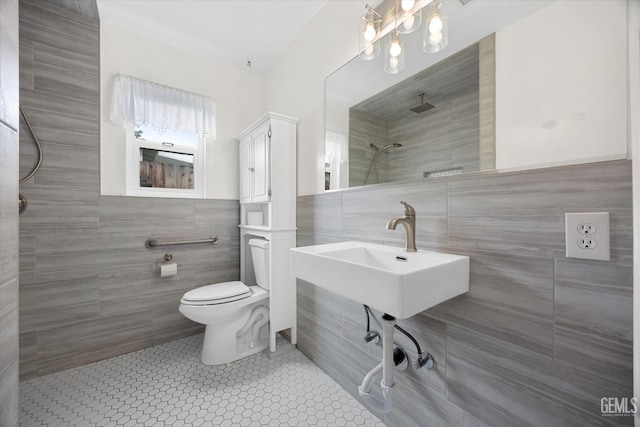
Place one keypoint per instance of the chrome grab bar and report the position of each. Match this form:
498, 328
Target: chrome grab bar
153, 243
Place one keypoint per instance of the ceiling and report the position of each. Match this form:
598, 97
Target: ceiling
229, 31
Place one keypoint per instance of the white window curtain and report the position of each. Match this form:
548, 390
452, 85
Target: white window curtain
337, 155
136, 102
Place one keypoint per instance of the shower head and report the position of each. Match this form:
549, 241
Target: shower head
424, 106
386, 147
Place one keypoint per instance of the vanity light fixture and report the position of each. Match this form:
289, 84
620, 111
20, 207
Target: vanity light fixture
394, 60
407, 18
411, 17
394, 53
436, 29
369, 35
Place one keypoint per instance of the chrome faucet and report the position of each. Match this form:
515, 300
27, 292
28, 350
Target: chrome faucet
409, 222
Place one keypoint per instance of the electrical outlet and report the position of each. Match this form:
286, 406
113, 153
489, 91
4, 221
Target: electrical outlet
586, 243
587, 235
587, 228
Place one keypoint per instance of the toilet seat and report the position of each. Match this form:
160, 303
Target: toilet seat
218, 293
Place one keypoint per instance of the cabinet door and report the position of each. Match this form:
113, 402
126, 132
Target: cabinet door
246, 173
261, 181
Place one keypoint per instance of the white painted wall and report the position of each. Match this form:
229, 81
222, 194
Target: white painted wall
294, 85
561, 92
236, 92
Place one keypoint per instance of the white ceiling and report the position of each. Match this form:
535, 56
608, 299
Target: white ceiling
230, 31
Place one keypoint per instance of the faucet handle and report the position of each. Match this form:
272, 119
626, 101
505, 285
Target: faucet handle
408, 209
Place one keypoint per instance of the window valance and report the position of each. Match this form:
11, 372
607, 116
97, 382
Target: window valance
136, 101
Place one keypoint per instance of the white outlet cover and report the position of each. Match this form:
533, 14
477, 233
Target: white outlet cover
602, 250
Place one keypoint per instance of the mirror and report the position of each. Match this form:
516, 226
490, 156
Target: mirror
425, 121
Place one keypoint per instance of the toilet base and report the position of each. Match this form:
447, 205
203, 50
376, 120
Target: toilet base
224, 345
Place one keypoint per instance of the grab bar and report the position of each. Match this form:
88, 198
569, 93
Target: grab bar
153, 243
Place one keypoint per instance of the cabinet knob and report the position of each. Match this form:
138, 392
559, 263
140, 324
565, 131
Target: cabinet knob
251, 169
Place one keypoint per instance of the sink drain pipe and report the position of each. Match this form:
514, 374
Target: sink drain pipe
387, 365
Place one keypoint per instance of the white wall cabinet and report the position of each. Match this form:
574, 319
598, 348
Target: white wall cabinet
255, 184
268, 185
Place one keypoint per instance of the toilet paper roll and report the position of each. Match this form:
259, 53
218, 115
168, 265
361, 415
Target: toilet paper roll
169, 269
255, 218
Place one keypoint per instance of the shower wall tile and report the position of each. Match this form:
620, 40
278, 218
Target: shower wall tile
69, 166
531, 332
168, 324
91, 289
27, 258
55, 26
63, 110
413, 394
538, 340
365, 213
66, 58
517, 283
28, 355
146, 214
518, 389
218, 216
588, 329
493, 213
26, 65
63, 302
585, 293
59, 80
320, 214
84, 342
125, 294
487, 101
54, 208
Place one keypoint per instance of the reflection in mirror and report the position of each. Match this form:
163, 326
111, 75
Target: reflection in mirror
444, 146
427, 125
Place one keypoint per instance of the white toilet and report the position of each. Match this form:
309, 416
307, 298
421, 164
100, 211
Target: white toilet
236, 316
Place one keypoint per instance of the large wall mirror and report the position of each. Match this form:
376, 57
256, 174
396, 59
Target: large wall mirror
438, 116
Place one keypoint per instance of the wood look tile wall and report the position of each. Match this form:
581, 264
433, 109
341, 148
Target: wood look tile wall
538, 340
89, 289
9, 95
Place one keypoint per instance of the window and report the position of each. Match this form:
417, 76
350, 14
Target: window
167, 131
164, 163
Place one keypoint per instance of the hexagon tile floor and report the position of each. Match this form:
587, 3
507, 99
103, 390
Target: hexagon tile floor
167, 385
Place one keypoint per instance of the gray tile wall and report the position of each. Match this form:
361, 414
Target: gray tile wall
9, 95
89, 289
446, 137
538, 340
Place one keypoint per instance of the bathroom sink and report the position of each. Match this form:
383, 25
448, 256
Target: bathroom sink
386, 278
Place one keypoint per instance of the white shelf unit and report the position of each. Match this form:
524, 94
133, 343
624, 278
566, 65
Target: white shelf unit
267, 151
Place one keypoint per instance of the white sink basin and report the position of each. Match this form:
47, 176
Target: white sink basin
386, 278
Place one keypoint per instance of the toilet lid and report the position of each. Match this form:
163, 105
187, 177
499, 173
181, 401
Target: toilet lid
218, 293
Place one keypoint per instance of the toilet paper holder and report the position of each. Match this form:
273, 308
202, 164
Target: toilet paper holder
167, 258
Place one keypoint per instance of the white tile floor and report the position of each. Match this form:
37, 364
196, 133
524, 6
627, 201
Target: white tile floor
167, 385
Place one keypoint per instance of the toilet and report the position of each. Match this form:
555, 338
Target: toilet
236, 316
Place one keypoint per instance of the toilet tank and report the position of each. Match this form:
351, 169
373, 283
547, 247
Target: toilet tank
260, 256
